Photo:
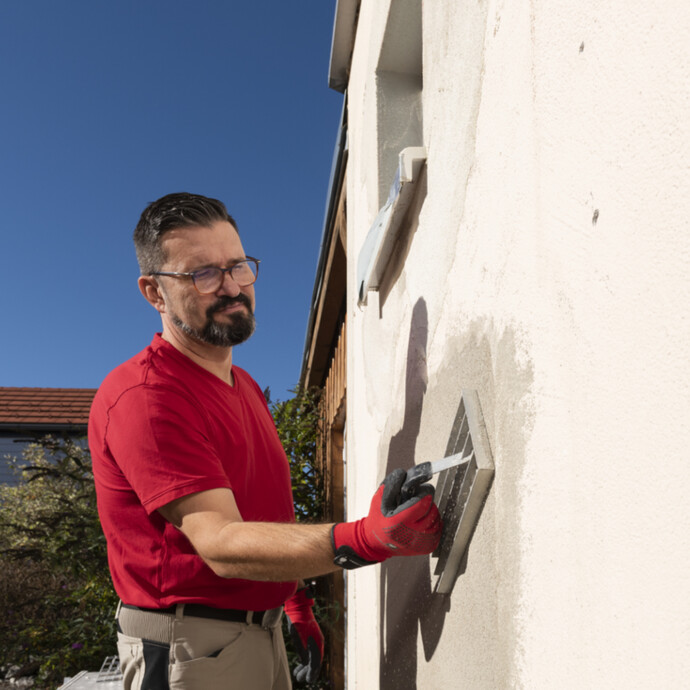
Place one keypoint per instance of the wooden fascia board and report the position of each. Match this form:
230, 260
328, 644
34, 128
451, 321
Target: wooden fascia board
331, 294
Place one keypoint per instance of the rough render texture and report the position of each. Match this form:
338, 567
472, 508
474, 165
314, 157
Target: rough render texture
549, 270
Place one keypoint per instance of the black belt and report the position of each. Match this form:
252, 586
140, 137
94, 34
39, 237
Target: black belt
201, 611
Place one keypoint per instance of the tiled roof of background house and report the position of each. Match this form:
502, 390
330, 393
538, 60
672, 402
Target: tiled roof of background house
62, 406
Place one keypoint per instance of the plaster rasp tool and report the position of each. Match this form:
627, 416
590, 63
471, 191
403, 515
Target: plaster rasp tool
426, 470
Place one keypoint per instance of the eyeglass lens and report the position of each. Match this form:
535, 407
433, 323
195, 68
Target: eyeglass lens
210, 279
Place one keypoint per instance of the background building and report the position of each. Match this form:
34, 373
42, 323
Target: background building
28, 414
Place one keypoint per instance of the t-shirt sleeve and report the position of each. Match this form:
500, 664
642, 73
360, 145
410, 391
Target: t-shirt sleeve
159, 440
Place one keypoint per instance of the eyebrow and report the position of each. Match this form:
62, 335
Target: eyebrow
201, 267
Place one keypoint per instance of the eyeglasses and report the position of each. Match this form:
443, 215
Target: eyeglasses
208, 280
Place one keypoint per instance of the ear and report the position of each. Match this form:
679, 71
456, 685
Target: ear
152, 292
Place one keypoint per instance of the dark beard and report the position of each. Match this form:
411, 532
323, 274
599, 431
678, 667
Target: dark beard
239, 329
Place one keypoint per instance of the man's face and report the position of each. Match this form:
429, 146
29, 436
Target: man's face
223, 318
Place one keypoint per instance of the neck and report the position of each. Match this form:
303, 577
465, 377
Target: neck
216, 360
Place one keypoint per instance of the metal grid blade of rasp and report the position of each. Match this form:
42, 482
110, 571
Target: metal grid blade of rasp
462, 491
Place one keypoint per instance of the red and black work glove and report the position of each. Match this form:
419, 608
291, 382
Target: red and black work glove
305, 634
392, 528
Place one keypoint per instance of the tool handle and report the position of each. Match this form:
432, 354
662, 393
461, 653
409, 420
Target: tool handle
416, 476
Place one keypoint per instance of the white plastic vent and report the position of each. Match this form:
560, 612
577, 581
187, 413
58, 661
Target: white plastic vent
380, 240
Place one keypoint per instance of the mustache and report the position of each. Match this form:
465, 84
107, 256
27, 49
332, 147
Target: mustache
226, 301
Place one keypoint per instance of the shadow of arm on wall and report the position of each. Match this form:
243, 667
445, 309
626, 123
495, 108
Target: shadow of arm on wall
408, 603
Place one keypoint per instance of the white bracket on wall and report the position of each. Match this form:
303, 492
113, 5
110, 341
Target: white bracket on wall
462, 491
380, 240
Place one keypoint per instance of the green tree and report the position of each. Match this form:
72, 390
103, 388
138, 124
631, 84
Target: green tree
298, 421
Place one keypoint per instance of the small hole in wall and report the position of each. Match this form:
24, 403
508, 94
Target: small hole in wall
582, 46
595, 216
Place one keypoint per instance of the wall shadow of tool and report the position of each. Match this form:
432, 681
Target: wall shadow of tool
408, 603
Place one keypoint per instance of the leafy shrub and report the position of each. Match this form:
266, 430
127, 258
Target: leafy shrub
55, 587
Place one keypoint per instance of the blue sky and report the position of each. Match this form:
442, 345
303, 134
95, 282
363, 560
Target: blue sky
106, 106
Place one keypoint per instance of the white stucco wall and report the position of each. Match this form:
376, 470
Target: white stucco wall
548, 270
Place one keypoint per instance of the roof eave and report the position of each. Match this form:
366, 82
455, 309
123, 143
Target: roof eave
46, 427
344, 30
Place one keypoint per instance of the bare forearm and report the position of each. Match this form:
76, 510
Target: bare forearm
270, 551
249, 550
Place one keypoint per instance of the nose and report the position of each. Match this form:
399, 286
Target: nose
228, 286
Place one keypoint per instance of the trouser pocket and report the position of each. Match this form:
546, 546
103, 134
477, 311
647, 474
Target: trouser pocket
130, 650
210, 667
144, 663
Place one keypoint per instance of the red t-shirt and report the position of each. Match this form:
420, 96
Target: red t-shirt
162, 427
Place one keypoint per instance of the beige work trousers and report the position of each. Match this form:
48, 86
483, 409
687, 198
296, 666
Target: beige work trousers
178, 652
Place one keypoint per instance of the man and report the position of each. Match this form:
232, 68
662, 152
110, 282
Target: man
194, 488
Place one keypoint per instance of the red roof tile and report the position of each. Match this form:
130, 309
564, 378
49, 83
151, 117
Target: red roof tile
45, 405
